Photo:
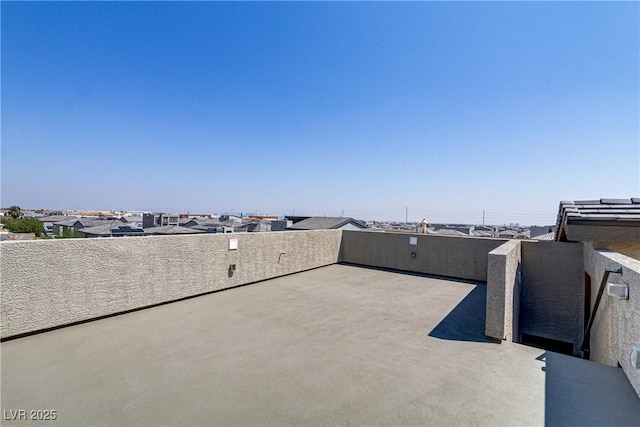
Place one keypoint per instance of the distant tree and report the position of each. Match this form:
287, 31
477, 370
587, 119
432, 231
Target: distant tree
14, 212
25, 225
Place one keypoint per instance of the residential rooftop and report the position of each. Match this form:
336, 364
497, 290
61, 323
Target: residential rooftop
599, 220
336, 345
323, 327
327, 223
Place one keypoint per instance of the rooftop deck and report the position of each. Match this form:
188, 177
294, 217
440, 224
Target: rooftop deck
335, 345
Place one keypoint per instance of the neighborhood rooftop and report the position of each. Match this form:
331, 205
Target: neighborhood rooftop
325, 223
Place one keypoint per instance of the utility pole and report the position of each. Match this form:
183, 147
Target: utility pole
342, 215
406, 214
483, 217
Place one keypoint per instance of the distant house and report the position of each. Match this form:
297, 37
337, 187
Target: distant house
449, 232
171, 229
69, 227
187, 222
263, 218
508, 234
262, 226
190, 222
548, 236
195, 216
49, 221
328, 223
536, 231
211, 228
279, 225
159, 219
110, 229
255, 226
133, 220
467, 230
230, 218
483, 233
295, 219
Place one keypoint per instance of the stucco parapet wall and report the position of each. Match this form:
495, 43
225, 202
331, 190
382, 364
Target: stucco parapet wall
49, 283
506, 248
616, 327
502, 291
450, 256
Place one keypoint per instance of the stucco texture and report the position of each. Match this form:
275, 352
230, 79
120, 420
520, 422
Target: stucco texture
50, 283
458, 257
503, 292
616, 327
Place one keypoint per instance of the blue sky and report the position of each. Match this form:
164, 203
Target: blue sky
446, 108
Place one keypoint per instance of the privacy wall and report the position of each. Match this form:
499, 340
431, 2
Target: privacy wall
49, 283
503, 292
616, 327
459, 257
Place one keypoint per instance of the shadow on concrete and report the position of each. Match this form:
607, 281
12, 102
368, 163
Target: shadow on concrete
466, 322
583, 393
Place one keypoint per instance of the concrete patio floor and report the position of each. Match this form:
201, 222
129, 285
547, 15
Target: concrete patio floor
337, 345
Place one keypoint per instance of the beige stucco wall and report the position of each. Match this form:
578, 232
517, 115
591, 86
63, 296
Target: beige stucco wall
552, 293
459, 257
48, 283
616, 327
503, 292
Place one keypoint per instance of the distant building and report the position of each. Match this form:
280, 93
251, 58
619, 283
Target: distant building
212, 228
279, 225
263, 218
69, 227
228, 218
198, 216
190, 222
110, 229
50, 221
295, 219
449, 232
467, 230
548, 236
158, 219
508, 234
536, 231
255, 226
133, 220
262, 226
326, 223
171, 229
